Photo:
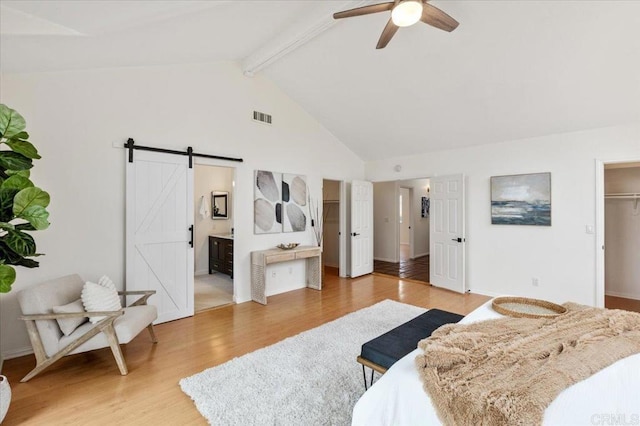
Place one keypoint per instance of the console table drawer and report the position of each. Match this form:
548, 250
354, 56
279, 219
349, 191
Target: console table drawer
307, 253
283, 257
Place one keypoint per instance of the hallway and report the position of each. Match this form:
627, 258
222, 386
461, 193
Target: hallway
416, 269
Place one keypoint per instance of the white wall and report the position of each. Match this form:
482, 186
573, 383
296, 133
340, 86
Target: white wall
503, 259
207, 179
405, 226
385, 221
75, 118
622, 234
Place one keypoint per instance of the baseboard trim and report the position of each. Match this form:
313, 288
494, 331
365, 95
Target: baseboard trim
421, 255
17, 353
202, 272
623, 295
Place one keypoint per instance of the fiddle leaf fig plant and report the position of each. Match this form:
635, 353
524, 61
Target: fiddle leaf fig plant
22, 204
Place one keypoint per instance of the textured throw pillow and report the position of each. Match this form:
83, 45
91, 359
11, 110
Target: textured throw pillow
68, 325
96, 298
105, 281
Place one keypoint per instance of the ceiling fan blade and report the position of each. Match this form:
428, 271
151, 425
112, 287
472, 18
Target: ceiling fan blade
388, 32
436, 18
364, 10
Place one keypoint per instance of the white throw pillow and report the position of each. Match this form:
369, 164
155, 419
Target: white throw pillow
96, 298
68, 325
105, 281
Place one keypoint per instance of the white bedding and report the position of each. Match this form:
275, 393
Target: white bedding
611, 396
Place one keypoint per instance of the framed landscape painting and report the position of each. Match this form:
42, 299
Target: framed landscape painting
521, 199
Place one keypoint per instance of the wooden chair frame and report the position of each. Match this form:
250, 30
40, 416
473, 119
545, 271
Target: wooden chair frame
103, 326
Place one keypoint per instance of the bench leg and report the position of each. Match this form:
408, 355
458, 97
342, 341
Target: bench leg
364, 375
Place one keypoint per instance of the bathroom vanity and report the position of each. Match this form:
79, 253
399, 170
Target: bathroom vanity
221, 254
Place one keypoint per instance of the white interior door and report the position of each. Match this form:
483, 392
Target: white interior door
361, 228
447, 242
159, 214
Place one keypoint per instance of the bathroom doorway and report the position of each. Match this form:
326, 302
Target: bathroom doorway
213, 236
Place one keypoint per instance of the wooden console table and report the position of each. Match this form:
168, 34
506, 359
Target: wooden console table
261, 258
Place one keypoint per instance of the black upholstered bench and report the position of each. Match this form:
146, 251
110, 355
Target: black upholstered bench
382, 352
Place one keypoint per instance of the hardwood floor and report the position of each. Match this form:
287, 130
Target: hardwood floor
414, 269
613, 302
88, 389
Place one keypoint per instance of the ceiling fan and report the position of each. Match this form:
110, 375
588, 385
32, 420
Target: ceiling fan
403, 14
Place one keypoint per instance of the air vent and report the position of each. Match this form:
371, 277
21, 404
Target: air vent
261, 117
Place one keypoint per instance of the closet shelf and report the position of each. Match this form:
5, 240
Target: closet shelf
622, 195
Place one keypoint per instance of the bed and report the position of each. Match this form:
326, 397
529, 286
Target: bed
613, 394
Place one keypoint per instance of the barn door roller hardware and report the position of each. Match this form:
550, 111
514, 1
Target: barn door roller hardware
130, 145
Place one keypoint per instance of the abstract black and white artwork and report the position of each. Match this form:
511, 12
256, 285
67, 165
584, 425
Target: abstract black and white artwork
521, 199
424, 211
267, 202
294, 202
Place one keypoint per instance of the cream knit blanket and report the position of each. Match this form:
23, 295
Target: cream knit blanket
508, 370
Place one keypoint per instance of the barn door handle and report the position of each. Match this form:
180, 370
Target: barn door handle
191, 231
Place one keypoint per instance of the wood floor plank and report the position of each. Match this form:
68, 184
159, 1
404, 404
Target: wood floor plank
88, 389
613, 302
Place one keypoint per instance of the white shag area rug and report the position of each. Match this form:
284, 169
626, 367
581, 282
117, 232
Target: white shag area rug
308, 379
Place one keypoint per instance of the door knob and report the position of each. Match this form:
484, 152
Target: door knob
458, 240
354, 234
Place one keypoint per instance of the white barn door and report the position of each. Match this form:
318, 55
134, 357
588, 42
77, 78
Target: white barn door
159, 214
361, 228
447, 233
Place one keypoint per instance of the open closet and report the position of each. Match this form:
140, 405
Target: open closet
622, 236
331, 224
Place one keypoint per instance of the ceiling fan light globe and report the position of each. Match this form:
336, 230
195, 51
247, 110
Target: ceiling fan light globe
407, 13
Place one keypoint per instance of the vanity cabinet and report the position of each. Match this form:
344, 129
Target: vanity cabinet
221, 255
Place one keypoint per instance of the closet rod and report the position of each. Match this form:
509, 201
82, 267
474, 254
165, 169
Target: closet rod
622, 195
130, 145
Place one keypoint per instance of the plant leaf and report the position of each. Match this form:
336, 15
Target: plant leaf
28, 263
23, 147
29, 197
20, 243
37, 217
7, 225
6, 203
11, 122
17, 182
25, 227
7, 277
10, 160
22, 135
8, 256
23, 173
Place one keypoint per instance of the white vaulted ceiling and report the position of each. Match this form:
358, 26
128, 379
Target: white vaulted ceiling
512, 69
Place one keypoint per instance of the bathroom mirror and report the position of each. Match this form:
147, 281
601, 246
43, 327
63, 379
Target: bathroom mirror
220, 205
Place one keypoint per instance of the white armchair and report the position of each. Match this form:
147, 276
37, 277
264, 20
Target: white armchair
50, 344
